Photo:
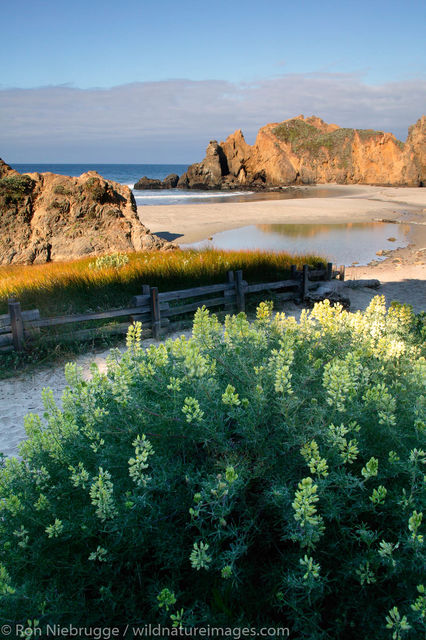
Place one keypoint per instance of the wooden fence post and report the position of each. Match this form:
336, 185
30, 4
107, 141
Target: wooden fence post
239, 291
293, 272
145, 289
329, 271
305, 281
342, 272
16, 324
230, 278
155, 313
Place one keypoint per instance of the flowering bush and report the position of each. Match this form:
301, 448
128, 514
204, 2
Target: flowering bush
110, 260
263, 472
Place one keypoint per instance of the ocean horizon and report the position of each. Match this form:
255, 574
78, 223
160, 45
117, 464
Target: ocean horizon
129, 174
123, 173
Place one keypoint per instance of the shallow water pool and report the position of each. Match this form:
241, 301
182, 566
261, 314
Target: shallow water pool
346, 243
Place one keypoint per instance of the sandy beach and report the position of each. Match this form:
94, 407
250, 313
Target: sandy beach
187, 223
402, 274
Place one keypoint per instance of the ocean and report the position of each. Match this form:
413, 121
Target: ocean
123, 173
129, 174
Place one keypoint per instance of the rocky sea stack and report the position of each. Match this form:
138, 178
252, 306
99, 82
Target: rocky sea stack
170, 182
310, 151
44, 216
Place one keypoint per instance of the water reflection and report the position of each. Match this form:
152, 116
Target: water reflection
310, 230
346, 243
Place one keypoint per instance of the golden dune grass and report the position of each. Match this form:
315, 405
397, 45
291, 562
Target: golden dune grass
67, 287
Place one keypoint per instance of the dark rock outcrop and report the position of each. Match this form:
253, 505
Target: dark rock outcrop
209, 173
310, 151
148, 183
44, 216
170, 182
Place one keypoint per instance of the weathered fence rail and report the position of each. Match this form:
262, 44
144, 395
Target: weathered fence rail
156, 309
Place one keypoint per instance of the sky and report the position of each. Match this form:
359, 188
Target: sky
144, 81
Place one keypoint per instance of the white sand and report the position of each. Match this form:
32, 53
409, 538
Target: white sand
402, 275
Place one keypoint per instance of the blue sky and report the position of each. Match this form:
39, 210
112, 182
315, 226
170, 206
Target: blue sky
142, 81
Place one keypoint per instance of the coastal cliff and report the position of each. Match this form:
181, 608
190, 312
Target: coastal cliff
44, 216
310, 151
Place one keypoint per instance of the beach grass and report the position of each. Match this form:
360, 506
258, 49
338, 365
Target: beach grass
57, 288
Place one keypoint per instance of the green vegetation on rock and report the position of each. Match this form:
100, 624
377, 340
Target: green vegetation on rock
96, 189
14, 188
60, 189
305, 138
295, 132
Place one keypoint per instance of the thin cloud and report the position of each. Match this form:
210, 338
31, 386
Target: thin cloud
172, 121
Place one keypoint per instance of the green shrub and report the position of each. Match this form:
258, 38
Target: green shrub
14, 188
115, 260
16, 184
60, 189
263, 473
96, 189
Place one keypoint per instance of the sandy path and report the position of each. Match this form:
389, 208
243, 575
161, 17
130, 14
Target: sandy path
22, 394
402, 275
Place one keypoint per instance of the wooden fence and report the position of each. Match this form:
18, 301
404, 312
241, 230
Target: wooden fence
157, 309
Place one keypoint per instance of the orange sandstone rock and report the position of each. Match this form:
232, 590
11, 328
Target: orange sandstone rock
416, 147
44, 216
310, 151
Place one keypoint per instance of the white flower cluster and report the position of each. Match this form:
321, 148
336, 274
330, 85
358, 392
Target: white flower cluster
101, 493
138, 464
